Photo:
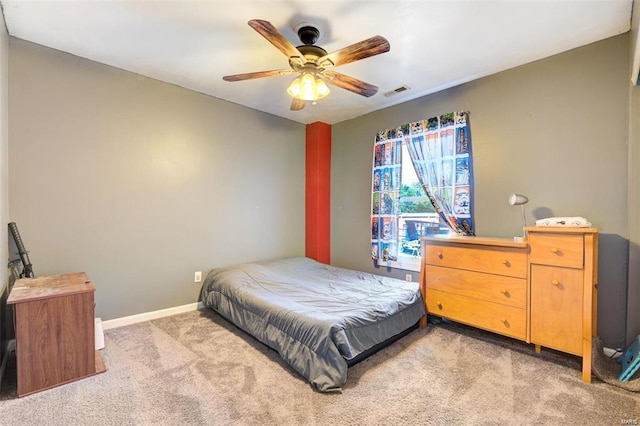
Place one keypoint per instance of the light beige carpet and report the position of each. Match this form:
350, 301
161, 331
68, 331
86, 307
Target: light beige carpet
197, 369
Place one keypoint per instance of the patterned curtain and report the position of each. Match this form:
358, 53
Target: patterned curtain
387, 163
440, 150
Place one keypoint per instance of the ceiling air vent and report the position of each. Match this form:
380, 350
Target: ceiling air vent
396, 91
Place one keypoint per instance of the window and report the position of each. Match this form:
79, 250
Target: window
417, 217
421, 185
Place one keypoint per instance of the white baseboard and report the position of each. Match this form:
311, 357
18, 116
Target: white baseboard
147, 316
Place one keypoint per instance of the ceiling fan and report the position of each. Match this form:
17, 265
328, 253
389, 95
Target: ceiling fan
314, 64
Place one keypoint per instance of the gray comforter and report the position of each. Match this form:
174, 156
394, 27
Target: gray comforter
316, 316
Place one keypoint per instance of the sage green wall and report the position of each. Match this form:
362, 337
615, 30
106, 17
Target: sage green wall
140, 183
5, 329
4, 150
555, 130
633, 302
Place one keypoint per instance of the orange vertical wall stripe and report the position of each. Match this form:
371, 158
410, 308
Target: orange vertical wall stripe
318, 192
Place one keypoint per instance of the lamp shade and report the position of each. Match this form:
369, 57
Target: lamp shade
517, 199
308, 87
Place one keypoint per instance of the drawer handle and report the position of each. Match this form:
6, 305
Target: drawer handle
504, 291
555, 282
504, 321
554, 249
439, 305
440, 256
505, 262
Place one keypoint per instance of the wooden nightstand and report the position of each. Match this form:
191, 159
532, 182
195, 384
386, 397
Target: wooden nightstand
55, 341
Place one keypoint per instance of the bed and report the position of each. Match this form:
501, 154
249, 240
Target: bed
319, 318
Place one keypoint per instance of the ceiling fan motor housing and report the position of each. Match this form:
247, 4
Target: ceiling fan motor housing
308, 34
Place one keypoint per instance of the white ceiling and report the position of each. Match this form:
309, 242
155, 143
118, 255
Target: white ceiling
435, 44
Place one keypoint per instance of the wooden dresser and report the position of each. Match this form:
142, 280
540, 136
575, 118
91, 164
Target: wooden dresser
563, 280
54, 320
534, 290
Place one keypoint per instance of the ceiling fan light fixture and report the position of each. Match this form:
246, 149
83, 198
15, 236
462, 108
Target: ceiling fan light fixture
313, 63
308, 87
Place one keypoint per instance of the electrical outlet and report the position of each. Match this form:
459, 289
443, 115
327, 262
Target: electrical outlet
408, 277
197, 277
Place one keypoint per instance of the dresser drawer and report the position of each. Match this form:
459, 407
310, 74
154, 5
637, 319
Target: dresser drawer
501, 319
556, 249
493, 288
493, 260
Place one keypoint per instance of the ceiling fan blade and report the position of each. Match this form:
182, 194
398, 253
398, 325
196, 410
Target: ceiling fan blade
259, 74
297, 104
271, 33
350, 83
364, 49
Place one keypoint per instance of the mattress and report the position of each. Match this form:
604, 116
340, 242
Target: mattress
316, 316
